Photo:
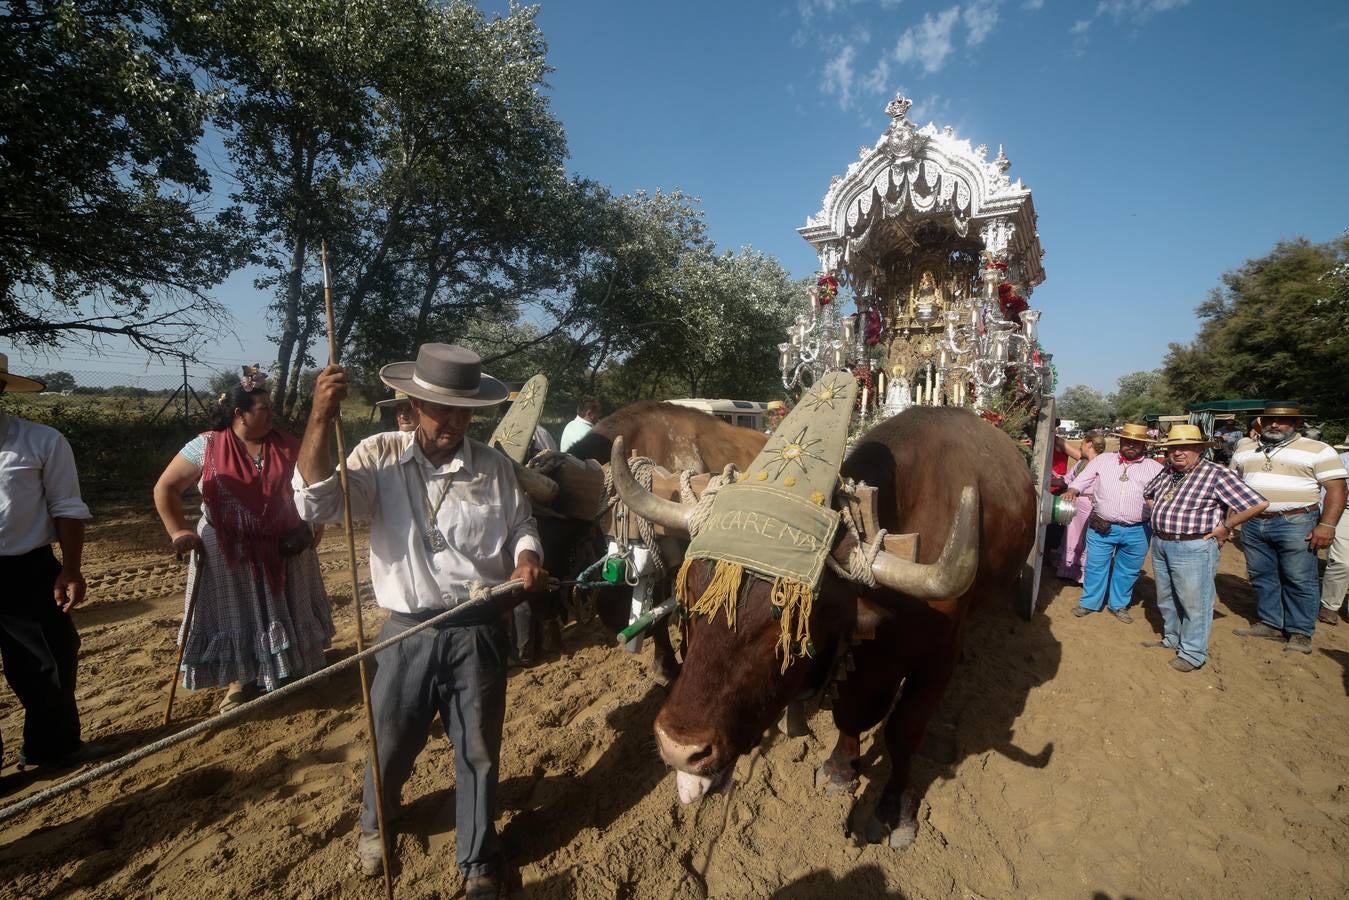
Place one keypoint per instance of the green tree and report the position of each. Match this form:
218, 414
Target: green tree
1141, 393
58, 381
1277, 327
101, 191
1086, 406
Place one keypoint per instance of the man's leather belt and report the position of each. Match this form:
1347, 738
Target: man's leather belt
1172, 536
1311, 507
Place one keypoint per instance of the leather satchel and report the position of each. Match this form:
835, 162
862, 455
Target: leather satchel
1097, 524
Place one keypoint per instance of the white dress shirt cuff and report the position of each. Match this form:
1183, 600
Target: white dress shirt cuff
527, 542
320, 501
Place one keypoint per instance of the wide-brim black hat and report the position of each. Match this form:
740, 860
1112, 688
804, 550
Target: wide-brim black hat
446, 374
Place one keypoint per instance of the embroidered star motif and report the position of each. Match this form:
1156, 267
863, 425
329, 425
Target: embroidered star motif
794, 453
824, 395
528, 397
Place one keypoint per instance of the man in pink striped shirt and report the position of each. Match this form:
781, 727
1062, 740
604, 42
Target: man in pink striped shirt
1116, 532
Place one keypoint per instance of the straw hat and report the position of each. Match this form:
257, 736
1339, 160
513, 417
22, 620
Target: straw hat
776, 406
446, 374
399, 398
1282, 411
1185, 436
17, 384
1133, 432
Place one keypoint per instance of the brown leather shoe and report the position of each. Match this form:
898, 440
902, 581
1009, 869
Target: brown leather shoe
482, 887
1081, 611
1122, 615
1153, 644
1259, 630
1180, 664
1299, 643
1328, 616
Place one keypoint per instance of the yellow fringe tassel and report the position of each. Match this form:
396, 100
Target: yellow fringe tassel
795, 600
722, 590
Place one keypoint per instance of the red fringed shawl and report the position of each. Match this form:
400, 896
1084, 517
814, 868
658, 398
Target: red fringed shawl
249, 508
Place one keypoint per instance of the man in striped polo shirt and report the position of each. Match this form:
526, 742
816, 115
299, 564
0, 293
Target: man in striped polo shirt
1281, 543
1195, 505
1116, 532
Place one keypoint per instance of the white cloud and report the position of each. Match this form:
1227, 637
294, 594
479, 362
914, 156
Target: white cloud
838, 77
809, 8
1131, 11
877, 81
928, 43
980, 17
1137, 10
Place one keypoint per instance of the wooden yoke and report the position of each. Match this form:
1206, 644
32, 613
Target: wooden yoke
581, 494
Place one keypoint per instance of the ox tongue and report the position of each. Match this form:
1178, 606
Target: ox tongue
691, 787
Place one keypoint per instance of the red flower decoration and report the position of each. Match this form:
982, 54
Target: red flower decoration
872, 330
1012, 304
826, 289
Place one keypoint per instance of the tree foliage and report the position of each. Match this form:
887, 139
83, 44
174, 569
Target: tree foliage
1086, 406
1277, 327
101, 228
1141, 393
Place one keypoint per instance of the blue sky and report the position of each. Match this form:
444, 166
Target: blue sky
1165, 141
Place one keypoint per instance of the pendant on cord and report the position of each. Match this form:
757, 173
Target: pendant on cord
435, 541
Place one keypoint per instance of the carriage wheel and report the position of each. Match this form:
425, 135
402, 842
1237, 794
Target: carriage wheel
1042, 461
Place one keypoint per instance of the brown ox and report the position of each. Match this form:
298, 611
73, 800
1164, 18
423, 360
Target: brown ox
944, 474
675, 438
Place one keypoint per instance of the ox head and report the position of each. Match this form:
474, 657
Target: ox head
733, 684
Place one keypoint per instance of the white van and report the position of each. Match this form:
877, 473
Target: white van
745, 413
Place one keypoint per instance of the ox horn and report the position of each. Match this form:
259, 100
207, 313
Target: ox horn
539, 487
655, 509
953, 572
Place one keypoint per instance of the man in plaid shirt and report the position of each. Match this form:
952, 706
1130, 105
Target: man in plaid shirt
1195, 505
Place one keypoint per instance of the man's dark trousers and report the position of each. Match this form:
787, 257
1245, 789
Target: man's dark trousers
459, 672
40, 649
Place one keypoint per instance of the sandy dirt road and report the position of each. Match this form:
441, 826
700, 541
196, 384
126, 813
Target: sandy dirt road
1071, 762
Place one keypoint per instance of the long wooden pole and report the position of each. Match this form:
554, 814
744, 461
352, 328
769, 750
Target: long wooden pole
194, 557
356, 588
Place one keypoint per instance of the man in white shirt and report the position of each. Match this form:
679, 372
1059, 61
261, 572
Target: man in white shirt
40, 503
445, 511
1335, 582
587, 414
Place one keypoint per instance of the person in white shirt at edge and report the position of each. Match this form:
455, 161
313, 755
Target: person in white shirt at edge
444, 511
587, 414
1335, 581
40, 503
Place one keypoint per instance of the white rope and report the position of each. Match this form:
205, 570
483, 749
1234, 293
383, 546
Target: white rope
479, 597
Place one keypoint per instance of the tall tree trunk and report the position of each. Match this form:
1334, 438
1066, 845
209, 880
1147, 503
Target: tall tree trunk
290, 312
297, 370
302, 153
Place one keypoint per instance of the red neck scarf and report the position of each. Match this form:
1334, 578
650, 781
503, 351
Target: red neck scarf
250, 508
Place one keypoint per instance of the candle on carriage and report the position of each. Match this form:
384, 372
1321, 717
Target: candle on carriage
941, 379
864, 400
880, 386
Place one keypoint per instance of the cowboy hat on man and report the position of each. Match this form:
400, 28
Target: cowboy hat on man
446, 512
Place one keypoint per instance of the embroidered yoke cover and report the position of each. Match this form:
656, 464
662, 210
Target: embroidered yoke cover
515, 431
777, 520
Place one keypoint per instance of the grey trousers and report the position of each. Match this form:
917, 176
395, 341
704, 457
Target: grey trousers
461, 673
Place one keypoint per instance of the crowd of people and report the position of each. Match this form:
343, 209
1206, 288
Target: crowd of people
1285, 491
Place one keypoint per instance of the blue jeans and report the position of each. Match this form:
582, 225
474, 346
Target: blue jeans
1283, 571
1185, 593
1125, 545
